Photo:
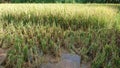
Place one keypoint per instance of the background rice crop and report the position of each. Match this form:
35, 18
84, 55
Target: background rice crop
63, 15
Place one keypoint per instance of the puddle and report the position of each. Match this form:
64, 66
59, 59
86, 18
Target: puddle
67, 61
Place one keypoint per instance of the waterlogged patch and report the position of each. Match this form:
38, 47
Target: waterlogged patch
67, 61
3, 55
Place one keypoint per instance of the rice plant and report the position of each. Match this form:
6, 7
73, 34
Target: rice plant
32, 31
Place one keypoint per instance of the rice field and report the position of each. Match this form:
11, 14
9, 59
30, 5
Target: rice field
32, 31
